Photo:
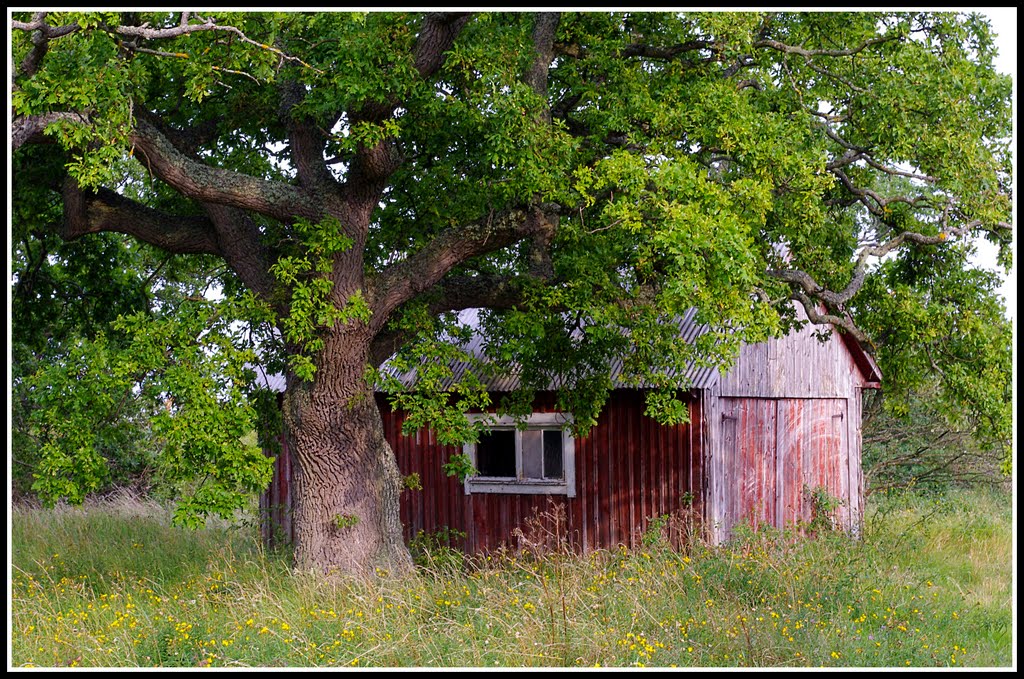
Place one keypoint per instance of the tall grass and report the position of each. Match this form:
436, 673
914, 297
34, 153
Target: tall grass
928, 585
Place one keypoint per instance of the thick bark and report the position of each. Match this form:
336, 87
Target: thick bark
105, 210
347, 482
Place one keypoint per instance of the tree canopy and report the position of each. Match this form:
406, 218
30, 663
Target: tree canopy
351, 181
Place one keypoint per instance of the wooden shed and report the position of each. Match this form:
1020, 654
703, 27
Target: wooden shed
785, 420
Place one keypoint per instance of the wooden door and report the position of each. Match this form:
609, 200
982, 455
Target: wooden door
774, 451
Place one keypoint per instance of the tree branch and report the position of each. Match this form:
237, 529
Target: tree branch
243, 248
666, 53
105, 210
438, 35
545, 25
843, 322
373, 165
30, 128
872, 200
425, 268
189, 140
837, 299
455, 294
898, 173
809, 288
640, 50
213, 185
46, 31
42, 34
306, 141
792, 49
145, 32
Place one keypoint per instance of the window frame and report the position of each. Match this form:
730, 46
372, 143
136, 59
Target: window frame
521, 485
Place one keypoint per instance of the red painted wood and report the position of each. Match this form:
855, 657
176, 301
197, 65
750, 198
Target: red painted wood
775, 450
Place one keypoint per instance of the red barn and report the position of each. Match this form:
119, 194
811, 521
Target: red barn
785, 420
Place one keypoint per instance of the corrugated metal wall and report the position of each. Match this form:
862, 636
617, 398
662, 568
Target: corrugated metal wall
628, 469
276, 501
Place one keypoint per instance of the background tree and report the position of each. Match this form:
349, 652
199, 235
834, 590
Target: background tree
923, 451
582, 178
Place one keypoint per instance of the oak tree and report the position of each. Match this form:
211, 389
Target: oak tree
580, 178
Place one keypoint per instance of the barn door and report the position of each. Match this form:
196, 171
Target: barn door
774, 449
814, 453
749, 463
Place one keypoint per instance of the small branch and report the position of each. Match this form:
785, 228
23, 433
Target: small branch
184, 28
848, 158
602, 228
159, 53
741, 63
877, 207
144, 32
792, 49
373, 165
833, 76
894, 172
839, 140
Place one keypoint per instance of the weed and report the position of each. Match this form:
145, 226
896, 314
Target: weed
928, 584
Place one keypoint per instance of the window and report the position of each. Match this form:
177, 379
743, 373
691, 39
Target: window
539, 459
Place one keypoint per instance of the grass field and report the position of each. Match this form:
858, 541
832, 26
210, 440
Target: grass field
114, 585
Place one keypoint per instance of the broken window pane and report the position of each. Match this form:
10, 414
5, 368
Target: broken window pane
496, 453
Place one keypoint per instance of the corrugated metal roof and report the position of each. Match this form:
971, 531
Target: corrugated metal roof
695, 377
692, 377
272, 381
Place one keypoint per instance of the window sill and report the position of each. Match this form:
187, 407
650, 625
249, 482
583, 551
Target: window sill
513, 487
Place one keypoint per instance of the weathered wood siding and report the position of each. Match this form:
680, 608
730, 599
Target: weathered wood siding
628, 470
796, 366
785, 419
855, 515
772, 452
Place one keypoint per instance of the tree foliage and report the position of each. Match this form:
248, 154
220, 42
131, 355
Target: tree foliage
582, 178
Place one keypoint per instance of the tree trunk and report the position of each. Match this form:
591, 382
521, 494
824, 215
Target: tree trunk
347, 482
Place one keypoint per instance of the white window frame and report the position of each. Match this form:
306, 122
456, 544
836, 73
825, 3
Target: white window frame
521, 485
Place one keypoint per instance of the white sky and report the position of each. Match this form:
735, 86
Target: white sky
1004, 23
